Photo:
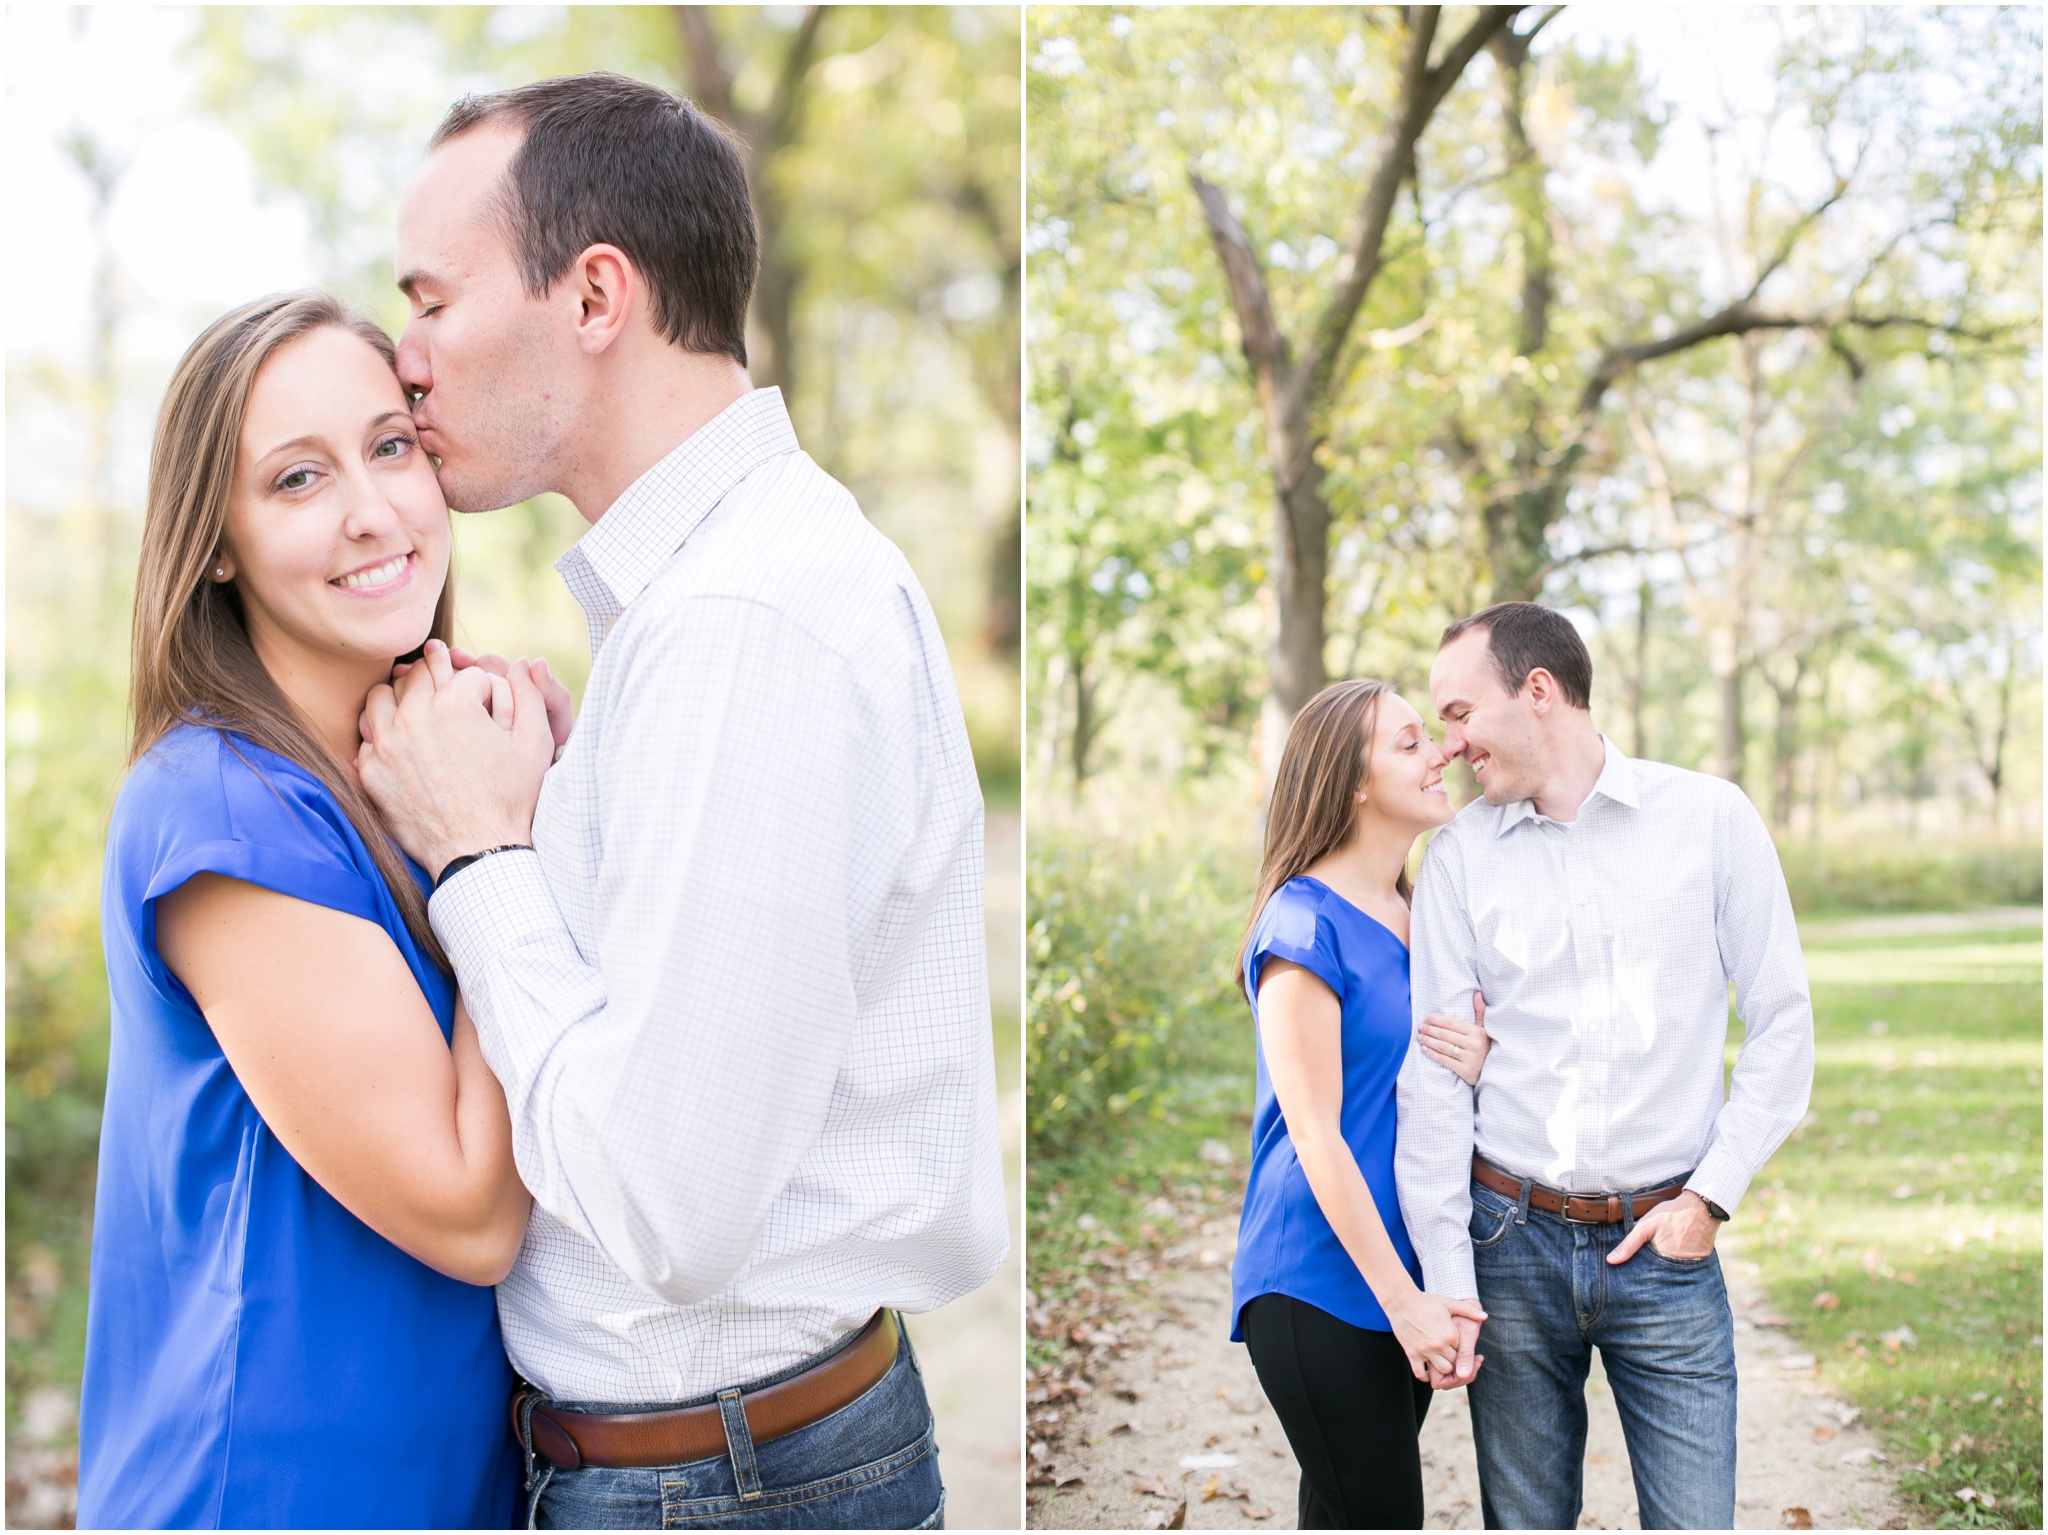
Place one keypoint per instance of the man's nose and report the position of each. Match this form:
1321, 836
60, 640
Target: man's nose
413, 371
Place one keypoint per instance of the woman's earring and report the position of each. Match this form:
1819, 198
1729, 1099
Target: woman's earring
220, 573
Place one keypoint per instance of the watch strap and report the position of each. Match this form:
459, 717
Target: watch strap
455, 866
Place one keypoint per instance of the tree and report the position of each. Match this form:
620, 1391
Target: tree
1295, 390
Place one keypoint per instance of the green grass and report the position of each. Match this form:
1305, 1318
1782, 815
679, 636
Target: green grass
1931, 1086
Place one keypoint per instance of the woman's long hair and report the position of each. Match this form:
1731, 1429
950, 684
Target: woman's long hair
1327, 760
191, 661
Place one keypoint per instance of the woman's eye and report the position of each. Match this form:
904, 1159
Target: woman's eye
391, 447
297, 479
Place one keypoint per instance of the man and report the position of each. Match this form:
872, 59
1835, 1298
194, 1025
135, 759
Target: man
735, 989
1602, 907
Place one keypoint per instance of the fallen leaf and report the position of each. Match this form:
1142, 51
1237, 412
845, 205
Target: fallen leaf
1822, 1433
1161, 1519
1256, 1511
1075, 1479
1209, 1490
1826, 1300
1124, 1427
1152, 1487
1798, 1519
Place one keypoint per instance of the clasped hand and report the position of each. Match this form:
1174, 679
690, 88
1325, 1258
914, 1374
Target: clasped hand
1440, 1335
454, 749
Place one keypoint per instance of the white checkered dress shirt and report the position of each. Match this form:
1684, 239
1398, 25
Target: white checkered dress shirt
1604, 948
737, 996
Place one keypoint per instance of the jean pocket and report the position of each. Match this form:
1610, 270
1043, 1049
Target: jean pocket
1649, 1248
1488, 1228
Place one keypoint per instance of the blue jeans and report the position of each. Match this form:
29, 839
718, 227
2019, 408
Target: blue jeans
872, 1465
1666, 1337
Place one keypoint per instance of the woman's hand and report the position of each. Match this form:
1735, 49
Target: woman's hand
1455, 1043
1426, 1327
561, 710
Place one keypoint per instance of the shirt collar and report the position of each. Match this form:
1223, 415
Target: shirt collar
1617, 781
658, 512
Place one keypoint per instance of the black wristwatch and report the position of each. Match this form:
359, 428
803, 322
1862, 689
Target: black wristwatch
456, 865
1713, 1209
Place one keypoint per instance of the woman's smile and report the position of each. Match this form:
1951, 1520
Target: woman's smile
380, 580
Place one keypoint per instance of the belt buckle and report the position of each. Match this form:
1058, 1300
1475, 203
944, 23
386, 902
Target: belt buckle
1565, 1211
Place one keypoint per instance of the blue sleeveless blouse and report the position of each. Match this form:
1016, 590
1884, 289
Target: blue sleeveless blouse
1285, 1244
255, 1355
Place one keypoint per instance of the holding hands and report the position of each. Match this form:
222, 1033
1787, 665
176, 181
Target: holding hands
454, 755
1439, 1334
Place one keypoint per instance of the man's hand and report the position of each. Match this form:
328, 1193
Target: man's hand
561, 710
1469, 1360
1681, 1227
455, 765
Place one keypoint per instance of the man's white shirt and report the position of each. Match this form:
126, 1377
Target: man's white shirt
1605, 948
738, 995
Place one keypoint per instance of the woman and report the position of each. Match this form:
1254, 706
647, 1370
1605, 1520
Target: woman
1325, 1286
306, 1185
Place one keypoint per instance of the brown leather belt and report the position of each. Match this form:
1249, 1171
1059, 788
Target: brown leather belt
1579, 1209
675, 1435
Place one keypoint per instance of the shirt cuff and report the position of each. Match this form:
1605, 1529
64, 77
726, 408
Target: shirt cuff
1447, 1269
489, 903
1720, 1179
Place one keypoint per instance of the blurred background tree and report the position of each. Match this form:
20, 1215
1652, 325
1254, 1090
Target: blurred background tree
882, 146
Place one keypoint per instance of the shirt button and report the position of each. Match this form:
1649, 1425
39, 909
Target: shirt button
1582, 900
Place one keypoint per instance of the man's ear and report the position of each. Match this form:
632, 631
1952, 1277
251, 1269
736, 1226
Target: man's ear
608, 293
1542, 690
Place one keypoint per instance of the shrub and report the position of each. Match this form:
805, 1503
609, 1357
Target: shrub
1908, 873
1133, 929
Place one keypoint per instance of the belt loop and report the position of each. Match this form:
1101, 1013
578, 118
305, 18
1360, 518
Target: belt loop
1628, 1215
903, 1332
739, 1443
527, 1402
1522, 1204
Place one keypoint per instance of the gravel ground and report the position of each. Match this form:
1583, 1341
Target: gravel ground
1179, 1419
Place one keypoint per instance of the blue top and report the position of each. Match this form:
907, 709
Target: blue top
1285, 1244
255, 1356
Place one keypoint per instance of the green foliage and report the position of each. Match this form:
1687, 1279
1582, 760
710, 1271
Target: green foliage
1131, 1012
1912, 1197
1908, 873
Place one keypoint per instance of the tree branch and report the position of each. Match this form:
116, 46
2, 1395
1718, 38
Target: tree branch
1423, 89
778, 122
1265, 348
1740, 319
709, 82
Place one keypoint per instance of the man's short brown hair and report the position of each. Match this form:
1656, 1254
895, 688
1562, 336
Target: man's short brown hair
1521, 636
615, 161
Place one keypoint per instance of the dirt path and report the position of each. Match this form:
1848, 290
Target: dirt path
972, 1351
1179, 1417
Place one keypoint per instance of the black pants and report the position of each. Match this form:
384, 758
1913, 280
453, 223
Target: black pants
1352, 1410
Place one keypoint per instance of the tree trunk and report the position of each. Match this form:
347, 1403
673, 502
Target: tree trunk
1639, 684
1294, 396
1517, 518
771, 359
1085, 722
1785, 750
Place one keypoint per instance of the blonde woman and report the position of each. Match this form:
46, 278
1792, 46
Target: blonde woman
306, 1185
1326, 1288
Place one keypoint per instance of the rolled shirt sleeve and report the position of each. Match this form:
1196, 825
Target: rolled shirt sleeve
1433, 1148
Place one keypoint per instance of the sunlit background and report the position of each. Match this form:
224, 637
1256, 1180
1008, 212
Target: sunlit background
1715, 328
165, 164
